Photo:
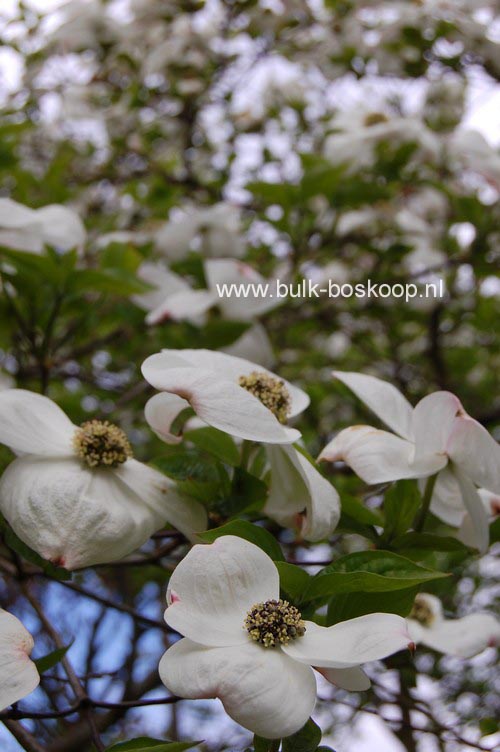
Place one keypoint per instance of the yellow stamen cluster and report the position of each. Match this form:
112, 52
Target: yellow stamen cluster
101, 444
422, 612
374, 118
274, 622
270, 391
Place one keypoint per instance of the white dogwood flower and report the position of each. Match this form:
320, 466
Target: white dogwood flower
299, 496
246, 646
18, 673
216, 227
437, 436
25, 229
232, 394
462, 638
76, 495
172, 298
225, 277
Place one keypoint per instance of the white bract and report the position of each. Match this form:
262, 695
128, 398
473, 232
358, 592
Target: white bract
25, 229
18, 673
172, 298
252, 650
75, 495
240, 292
299, 496
462, 638
255, 345
217, 227
437, 436
222, 390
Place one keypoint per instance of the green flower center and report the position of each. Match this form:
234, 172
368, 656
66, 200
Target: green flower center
274, 622
374, 118
101, 444
270, 391
422, 612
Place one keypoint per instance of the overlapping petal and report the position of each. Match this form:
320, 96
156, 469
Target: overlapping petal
379, 456
18, 673
76, 516
298, 488
263, 690
353, 679
463, 637
214, 586
433, 419
350, 643
383, 399
161, 411
32, 424
479, 534
476, 452
156, 492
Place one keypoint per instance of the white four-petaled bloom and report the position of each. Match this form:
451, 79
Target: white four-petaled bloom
437, 436
246, 646
26, 229
231, 394
462, 638
172, 297
18, 673
76, 495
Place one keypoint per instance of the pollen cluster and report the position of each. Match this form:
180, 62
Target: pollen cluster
101, 444
274, 622
270, 391
422, 612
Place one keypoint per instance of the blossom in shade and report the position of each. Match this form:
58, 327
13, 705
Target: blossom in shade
18, 673
245, 645
172, 298
76, 495
229, 393
435, 437
462, 638
25, 229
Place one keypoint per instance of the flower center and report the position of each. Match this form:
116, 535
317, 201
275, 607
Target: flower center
374, 118
101, 444
270, 391
422, 612
274, 621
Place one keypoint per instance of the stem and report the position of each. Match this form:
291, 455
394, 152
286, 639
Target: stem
426, 502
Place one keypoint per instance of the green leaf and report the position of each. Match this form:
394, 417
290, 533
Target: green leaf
111, 281
146, 744
16, 544
188, 464
375, 571
221, 333
401, 503
305, 740
428, 542
253, 533
359, 512
293, 580
246, 491
265, 745
51, 659
215, 442
350, 605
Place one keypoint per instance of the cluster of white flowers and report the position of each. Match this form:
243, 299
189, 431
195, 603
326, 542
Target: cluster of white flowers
78, 498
